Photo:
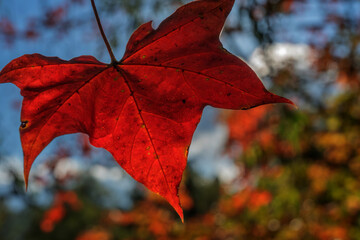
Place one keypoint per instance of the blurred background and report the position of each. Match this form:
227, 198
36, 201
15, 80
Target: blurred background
271, 172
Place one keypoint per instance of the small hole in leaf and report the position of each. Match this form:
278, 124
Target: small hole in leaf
24, 124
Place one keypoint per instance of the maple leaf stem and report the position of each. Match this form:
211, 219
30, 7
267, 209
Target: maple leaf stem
112, 56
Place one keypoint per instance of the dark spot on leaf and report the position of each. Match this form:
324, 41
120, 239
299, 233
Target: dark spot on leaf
228, 94
23, 124
220, 8
184, 101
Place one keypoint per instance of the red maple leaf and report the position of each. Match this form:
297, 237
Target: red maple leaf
143, 109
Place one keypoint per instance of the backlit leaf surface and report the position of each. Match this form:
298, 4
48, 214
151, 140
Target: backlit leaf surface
143, 109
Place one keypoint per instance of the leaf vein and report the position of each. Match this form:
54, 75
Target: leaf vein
62, 104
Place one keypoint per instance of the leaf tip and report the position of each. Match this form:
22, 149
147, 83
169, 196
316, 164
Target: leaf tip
27, 168
175, 203
287, 101
180, 212
273, 98
26, 179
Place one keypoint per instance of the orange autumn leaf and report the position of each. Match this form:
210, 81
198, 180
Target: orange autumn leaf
244, 127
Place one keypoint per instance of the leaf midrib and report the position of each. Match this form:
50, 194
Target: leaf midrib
122, 72
198, 73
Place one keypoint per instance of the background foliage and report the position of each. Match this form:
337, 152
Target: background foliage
297, 171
